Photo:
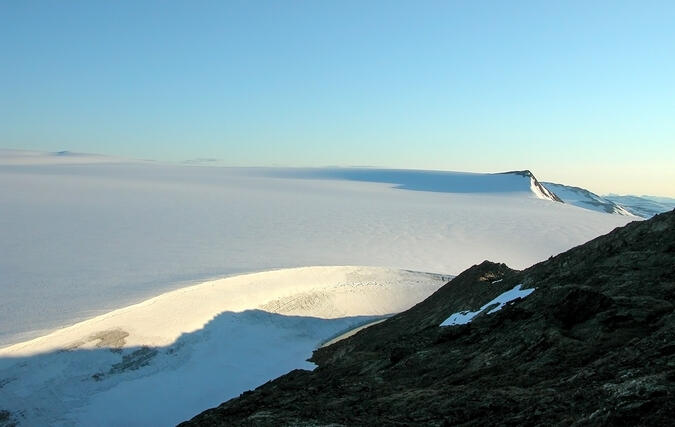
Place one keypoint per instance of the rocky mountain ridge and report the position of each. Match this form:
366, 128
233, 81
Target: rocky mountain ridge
586, 199
536, 187
594, 344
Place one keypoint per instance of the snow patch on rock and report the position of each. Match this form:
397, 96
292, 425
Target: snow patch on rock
464, 317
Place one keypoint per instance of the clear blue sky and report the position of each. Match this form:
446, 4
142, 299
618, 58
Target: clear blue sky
581, 92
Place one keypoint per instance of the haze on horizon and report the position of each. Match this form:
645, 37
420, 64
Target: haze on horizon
580, 93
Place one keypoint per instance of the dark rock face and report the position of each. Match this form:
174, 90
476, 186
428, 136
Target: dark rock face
6, 419
594, 344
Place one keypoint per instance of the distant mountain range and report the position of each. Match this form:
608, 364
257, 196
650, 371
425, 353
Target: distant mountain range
644, 206
641, 206
522, 182
585, 199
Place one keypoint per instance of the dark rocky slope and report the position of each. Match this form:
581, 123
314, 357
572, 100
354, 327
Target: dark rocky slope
594, 344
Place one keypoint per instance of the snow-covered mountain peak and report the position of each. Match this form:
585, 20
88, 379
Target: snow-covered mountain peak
537, 189
514, 183
585, 199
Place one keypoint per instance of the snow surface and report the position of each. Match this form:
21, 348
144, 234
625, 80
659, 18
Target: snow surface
323, 292
166, 359
464, 317
520, 183
79, 240
643, 206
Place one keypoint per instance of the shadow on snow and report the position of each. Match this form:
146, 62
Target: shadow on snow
232, 353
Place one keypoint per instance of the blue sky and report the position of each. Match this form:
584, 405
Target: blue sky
579, 92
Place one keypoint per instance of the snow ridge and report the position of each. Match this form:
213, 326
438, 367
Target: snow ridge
536, 188
585, 199
123, 367
643, 206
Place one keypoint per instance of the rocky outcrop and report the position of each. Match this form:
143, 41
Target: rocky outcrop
594, 344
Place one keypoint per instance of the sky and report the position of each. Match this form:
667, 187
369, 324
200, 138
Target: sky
579, 92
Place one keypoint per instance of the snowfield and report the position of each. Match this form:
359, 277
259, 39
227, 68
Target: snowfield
136, 293
163, 360
321, 292
585, 199
643, 206
81, 239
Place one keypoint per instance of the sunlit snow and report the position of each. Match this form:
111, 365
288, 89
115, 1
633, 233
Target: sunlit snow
464, 317
164, 360
585, 199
